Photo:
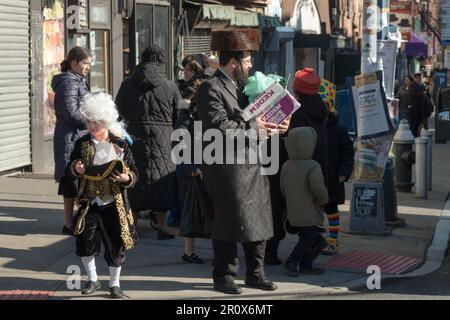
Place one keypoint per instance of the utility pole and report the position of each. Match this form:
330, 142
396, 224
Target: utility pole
367, 205
369, 40
384, 6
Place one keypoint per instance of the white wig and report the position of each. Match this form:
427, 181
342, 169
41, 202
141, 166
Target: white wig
100, 107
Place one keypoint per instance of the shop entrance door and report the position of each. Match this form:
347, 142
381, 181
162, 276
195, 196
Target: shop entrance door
153, 27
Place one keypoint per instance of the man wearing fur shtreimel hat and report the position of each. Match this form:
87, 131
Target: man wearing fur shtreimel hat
239, 192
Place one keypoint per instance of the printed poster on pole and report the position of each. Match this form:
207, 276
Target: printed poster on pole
373, 126
387, 54
369, 102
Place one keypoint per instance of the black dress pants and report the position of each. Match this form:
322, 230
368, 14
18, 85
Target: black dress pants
102, 225
308, 247
226, 262
278, 215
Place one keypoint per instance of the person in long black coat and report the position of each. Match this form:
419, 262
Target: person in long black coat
70, 87
239, 193
340, 167
403, 95
148, 103
279, 213
313, 113
196, 70
416, 107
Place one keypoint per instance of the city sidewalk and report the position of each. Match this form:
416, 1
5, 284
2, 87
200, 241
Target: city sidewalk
35, 256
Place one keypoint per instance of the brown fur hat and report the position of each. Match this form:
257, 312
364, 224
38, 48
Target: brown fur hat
235, 40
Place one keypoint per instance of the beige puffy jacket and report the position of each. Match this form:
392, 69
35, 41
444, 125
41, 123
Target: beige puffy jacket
302, 182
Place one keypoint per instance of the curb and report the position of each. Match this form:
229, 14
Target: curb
434, 258
436, 252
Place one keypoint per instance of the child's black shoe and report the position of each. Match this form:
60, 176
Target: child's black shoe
291, 269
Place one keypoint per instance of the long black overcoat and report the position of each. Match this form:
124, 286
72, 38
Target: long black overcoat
148, 103
239, 193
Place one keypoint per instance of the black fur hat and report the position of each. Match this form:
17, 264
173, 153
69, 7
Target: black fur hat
235, 40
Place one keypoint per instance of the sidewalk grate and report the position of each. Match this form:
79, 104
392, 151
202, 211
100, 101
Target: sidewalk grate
25, 295
360, 260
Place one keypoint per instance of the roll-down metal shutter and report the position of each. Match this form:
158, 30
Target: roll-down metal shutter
15, 146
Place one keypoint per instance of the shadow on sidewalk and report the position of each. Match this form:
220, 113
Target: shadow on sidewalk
27, 283
140, 287
30, 240
19, 221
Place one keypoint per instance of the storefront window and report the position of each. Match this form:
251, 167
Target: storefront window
144, 27
162, 28
54, 54
99, 46
77, 40
152, 27
99, 14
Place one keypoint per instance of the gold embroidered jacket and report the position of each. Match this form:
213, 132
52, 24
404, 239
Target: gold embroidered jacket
84, 151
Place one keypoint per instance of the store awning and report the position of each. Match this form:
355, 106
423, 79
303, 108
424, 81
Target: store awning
303, 40
219, 17
285, 33
416, 49
216, 12
274, 36
268, 22
244, 19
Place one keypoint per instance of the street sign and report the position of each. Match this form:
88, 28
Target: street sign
401, 6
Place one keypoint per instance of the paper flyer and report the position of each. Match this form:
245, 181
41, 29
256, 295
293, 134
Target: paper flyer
276, 103
278, 113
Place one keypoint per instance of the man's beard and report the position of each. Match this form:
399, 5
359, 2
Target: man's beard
240, 76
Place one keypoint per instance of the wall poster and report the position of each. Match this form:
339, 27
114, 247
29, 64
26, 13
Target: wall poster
54, 54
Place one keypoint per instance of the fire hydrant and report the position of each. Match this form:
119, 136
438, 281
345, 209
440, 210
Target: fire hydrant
404, 157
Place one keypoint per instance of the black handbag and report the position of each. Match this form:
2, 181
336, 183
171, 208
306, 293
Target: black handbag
196, 220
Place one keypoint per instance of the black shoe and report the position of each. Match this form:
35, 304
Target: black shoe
193, 258
162, 235
263, 284
291, 269
311, 270
67, 231
91, 287
228, 287
116, 293
273, 260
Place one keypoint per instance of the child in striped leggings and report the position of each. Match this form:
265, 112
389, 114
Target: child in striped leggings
340, 164
340, 167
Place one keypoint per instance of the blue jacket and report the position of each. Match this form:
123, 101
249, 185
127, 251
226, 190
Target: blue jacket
69, 88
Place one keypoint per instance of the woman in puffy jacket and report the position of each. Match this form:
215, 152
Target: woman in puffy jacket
70, 86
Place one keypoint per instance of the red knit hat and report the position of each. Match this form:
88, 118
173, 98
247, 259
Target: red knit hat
306, 82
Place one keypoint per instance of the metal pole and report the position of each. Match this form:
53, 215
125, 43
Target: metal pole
369, 40
384, 6
429, 135
421, 188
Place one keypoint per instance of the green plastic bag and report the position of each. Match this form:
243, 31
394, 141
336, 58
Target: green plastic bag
258, 83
